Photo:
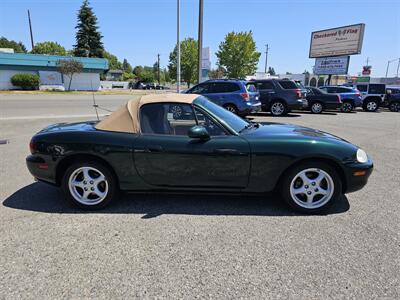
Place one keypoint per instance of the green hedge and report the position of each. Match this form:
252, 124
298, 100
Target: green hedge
26, 81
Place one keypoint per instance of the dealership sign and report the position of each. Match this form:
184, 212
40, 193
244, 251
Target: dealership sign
346, 40
332, 65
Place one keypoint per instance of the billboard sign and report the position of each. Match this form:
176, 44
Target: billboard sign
338, 65
346, 40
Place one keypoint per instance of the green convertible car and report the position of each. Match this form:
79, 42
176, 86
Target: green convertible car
174, 142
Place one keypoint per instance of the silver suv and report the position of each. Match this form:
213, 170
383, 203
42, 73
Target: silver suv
372, 94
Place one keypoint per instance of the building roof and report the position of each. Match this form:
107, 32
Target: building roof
127, 118
41, 61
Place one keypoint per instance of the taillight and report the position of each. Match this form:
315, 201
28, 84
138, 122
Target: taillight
358, 94
339, 100
245, 96
32, 147
298, 93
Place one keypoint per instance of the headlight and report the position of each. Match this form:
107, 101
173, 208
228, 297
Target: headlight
362, 157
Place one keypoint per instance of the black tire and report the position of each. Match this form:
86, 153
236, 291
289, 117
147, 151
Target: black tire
318, 204
278, 108
232, 108
394, 106
317, 108
109, 186
371, 105
347, 106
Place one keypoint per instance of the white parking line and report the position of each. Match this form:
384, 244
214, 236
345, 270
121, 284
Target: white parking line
50, 117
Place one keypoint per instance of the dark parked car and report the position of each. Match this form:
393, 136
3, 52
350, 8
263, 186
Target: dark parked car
392, 99
351, 97
318, 100
279, 96
231, 94
185, 142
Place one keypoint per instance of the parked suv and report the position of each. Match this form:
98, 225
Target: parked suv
392, 99
372, 94
231, 94
351, 97
279, 96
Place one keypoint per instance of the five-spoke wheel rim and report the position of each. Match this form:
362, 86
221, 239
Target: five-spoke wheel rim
312, 188
371, 106
88, 186
316, 108
277, 108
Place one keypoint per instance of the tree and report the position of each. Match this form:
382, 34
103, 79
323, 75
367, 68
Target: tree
188, 61
113, 63
306, 72
17, 46
138, 71
147, 75
217, 73
69, 68
51, 48
126, 66
271, 71
88, 38
238, 54
288, 73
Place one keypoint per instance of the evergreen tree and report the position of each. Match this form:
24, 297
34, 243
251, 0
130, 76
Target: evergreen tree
126, 66
88, 38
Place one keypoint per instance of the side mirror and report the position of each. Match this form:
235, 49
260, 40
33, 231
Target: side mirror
198, 132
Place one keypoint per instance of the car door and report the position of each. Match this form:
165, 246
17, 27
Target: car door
165, 156
219, 92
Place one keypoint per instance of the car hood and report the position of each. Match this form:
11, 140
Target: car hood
288, 131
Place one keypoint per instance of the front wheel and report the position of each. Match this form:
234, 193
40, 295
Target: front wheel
394, 106
347, 107
89, 185
311, 187
278, 108
317, 108
370, 105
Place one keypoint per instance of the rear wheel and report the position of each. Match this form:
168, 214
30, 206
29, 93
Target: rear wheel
370, 105
394, 106
347, 106
232, 108
311, 187
317, 108
89, 185
278, 108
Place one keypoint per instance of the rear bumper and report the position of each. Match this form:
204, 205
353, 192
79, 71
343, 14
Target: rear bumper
40, 169
249, 108
354, 180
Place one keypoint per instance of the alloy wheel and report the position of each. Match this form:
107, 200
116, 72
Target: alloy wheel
372, 106
316, 108
277, 108
88, 185
395, 107
312, 188
347, 107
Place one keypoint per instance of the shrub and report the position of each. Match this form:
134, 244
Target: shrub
26, 81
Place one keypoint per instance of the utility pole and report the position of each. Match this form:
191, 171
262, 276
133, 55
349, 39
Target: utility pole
398, 66
266, 58
30, 29
158, 68
178, 56
367, 61
200, 41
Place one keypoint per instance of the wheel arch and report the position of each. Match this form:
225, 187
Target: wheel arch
63, 165
329, 161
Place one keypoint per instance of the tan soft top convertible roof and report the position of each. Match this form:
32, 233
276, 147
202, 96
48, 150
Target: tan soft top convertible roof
126, 118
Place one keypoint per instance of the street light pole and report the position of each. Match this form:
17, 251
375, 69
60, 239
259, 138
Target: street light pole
389, 62
398, 66
200, 40
178, 56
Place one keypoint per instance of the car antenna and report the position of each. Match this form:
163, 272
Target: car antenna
94, 101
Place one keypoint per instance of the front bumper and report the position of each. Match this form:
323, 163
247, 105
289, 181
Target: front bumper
250, 108
357, 175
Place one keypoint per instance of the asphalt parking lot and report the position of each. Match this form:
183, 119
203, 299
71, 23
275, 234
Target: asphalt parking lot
204, 246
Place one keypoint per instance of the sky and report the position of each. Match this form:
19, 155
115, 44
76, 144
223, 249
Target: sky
140, 29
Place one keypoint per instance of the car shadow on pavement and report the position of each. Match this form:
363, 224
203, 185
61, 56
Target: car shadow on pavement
266, 114
45, 198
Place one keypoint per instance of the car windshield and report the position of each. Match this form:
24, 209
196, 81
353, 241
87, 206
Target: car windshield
224, 116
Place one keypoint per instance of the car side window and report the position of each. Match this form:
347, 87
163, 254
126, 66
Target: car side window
362, 87
200, 89
265, 85
212, 127
224, 87
167, 118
